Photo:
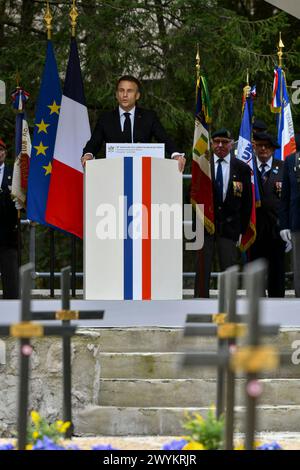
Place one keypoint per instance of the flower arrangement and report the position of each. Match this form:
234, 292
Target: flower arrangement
44, 436
207, 434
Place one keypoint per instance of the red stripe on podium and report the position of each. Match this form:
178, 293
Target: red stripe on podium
146, 221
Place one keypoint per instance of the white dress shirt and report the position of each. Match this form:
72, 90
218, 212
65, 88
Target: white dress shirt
1, 173
268, 164
225, 165
123, 117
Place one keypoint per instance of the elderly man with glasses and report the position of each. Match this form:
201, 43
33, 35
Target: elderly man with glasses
232, 194
268, 243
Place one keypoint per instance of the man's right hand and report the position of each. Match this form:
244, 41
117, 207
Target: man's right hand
85, 158
286, 235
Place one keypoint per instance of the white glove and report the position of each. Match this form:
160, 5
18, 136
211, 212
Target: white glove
18, 205
286, 235
238, 243
288, 246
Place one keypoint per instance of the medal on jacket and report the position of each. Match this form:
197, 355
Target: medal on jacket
237, 188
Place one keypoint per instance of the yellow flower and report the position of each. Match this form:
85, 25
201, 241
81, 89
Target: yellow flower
199, 418
65, 427
35, 434
29, 446
59, 424
35, 417
239, 447
193, 445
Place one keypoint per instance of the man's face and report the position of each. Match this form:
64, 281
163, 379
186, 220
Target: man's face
264, 150
2, 154
221, 146
127, 94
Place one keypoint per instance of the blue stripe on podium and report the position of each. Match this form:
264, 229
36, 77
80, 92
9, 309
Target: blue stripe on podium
128, 246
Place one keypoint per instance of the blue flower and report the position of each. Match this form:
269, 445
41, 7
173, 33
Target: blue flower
46, 444
7, 446
175, 445
103, 447
72, 447
270, 446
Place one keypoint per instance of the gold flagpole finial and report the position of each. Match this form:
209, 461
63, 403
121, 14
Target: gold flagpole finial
48, 20
247, 88
280, 50
73, 15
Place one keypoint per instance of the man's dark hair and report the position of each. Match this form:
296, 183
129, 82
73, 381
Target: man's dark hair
129, 78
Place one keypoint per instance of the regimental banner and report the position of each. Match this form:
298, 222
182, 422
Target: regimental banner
133, 229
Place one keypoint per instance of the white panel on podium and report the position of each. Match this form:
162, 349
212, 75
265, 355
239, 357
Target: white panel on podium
135, 150
141, 197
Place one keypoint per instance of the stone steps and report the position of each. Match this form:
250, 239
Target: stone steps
189, 392
121, 421
128, 381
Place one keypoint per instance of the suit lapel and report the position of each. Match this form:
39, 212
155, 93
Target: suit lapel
117, 124
231, 172
137, 124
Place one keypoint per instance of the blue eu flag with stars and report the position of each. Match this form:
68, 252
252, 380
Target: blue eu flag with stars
45, 127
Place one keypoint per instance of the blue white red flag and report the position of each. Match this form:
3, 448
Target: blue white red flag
282, 106
65, 198
245, 153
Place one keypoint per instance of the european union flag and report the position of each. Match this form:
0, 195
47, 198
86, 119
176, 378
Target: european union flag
45, 127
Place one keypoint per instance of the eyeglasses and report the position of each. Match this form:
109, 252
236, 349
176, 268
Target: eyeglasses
221, 142
262, 144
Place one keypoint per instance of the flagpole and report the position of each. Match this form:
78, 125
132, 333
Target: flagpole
280, 63
48, 21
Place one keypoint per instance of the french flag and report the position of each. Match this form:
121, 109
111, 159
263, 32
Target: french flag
65, 199
281, 105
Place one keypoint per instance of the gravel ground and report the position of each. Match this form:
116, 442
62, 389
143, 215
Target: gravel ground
288, 441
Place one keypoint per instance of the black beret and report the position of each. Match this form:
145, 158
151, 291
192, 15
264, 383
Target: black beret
222, 133
260, 125
267, 137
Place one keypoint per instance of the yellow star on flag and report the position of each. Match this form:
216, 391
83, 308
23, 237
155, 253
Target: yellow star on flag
48, 169
54, 108
42, 126
40, 149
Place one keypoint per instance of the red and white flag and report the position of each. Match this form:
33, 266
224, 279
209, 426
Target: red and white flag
65, 198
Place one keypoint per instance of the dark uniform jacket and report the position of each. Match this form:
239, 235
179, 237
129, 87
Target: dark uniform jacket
8, 212
267, 215
146, 127
233, 215
289, 211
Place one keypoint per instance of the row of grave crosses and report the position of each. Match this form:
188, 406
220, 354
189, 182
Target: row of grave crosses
251, 358
30, 327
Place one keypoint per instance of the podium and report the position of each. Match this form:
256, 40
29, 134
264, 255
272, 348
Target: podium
133, 229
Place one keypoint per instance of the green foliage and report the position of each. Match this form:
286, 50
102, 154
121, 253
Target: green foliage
208, 432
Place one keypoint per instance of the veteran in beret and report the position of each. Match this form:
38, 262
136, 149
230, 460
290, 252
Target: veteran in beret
268, 243
231, 179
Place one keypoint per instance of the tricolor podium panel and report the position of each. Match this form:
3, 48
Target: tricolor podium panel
133, 229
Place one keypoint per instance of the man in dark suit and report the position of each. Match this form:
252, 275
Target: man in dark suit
289, 211
231, 179
268, 243
129, 124
8, 231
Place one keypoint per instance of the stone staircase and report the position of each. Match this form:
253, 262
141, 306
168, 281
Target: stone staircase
128, 381
144, 391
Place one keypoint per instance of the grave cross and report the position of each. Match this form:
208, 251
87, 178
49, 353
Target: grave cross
25, 331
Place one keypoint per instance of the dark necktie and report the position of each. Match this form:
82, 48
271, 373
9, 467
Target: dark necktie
264, 169
219, 181
127, 129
